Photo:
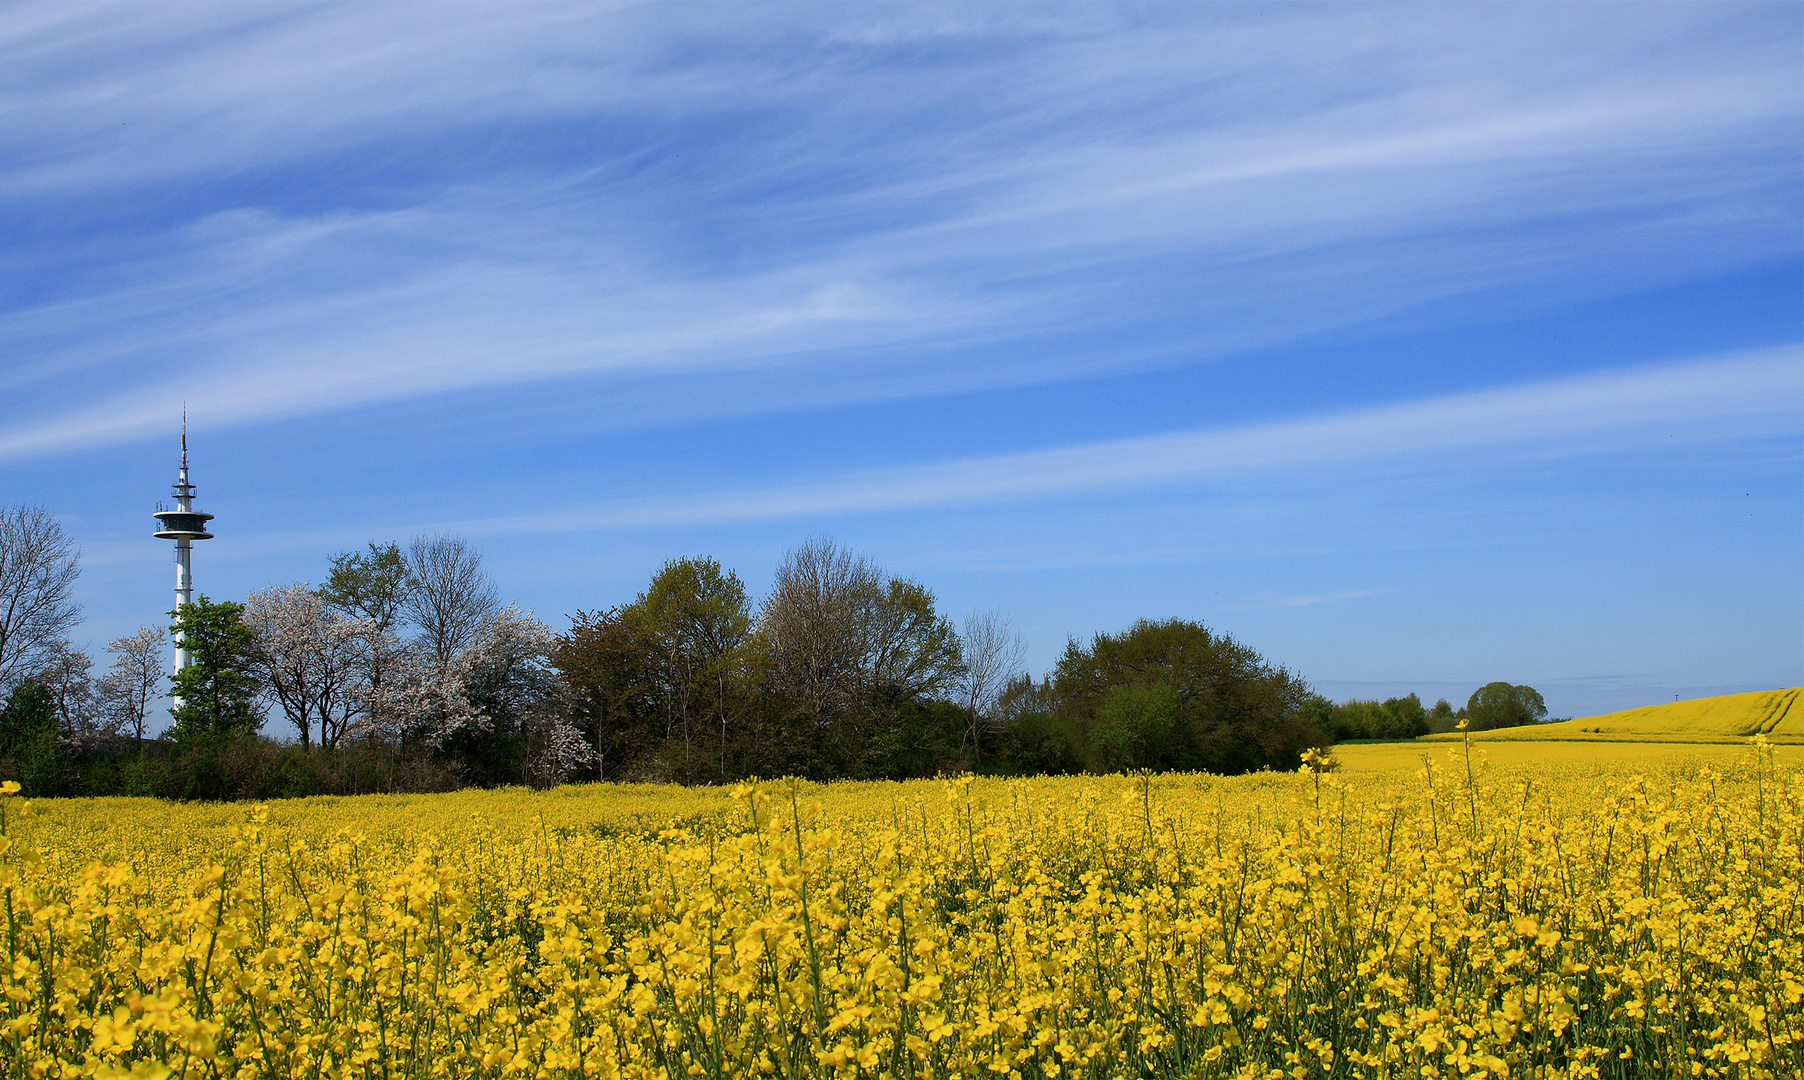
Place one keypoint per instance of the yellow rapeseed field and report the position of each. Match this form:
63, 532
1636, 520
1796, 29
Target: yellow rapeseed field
1422, 914
1777, 714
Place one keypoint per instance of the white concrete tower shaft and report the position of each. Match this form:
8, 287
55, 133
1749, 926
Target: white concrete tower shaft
184, 525
184, 549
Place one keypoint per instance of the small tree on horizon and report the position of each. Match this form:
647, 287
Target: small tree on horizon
1500, 705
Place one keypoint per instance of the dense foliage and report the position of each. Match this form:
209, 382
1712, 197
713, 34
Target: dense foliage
1175, 695
1393, 718
1500, 705
216, 695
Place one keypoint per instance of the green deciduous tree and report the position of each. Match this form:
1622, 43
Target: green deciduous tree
28, 744
1393, 718
1133, 728
695, 620
603, 662
373, 585
1235, 712
218, 690
373, 589
1500, 705
912, 651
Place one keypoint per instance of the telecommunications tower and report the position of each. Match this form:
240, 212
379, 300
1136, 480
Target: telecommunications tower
184, 524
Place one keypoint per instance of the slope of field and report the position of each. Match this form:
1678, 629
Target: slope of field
1594, 756
1778, 714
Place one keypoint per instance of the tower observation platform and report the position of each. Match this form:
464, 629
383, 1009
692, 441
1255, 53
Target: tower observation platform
184, 524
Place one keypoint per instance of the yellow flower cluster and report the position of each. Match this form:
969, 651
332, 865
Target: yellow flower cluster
1521, 921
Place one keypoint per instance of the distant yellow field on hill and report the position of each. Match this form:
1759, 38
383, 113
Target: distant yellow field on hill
1595, 755
1779, 714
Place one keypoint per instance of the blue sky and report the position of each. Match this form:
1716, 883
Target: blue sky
1416, 346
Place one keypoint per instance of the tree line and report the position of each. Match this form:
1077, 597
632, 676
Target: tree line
404, 670
1494, 705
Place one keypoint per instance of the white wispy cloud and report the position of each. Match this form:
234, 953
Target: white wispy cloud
1745, 396
780, 192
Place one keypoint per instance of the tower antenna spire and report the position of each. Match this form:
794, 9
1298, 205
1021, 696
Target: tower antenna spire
184, 524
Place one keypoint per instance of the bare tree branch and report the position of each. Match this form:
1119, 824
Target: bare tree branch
38, 568
993, 654
452, 597
65, 672
840, 631
133, 680
814, 620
